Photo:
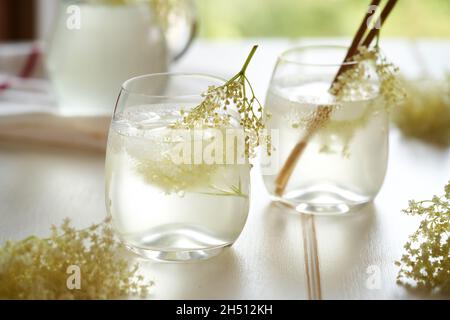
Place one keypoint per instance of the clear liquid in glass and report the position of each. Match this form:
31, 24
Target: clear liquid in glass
344, 163
164, 210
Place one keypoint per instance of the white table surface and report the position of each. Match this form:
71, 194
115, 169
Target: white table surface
280, 254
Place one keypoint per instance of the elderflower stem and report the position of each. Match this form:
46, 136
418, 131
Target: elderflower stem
244, 67
249, 58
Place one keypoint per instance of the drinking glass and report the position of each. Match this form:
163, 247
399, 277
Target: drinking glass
161, 207
344, 159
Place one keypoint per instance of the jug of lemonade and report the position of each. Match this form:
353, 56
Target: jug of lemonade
98, 44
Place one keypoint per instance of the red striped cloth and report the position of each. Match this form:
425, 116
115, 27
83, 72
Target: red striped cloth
28, 68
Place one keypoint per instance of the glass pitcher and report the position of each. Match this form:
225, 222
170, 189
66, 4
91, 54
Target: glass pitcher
98, 44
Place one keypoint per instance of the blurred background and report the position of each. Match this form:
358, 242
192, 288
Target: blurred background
312, 18
28, 19
45, 75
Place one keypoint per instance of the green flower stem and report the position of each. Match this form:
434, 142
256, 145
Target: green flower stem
249, 58
244, 67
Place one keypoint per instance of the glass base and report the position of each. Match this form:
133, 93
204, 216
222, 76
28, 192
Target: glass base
178, 255
324, 201
175, 242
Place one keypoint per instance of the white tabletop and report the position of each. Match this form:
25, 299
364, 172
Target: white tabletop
280, 254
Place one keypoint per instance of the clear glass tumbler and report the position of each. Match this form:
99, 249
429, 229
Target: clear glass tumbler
161, 207
340, 162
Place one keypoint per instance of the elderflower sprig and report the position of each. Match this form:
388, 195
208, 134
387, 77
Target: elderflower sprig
425, 114
213, 111
356, 81
164, 10
426, 262
36, 268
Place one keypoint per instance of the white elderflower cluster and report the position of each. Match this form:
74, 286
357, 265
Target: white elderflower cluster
36, 268
425, 114
371, 76
357, 81
426, 261
213, 111
175, 178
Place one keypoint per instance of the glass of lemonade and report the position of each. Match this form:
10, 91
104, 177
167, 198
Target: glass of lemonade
166, 206
343, 163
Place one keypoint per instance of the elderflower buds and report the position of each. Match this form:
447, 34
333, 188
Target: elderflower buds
356, 82
37, 268
426, 261
213, 111
425, 114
